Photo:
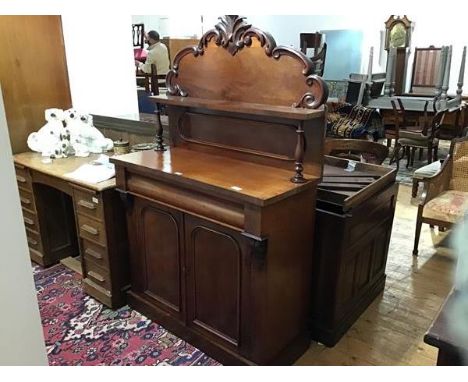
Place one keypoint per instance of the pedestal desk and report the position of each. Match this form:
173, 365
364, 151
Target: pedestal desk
64, 217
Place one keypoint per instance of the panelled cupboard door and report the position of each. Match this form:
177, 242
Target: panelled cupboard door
217, 282
159, 257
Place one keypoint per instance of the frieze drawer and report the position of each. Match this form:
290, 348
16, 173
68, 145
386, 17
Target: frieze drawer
91, 229
95, 253
97, 274
27, 200
30, 220
88, 203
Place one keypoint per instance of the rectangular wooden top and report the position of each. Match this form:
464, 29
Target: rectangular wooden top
349, 188
61, 166
439, 333
297, 113
233, 178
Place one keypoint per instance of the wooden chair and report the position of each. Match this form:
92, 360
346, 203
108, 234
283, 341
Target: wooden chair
426, 71
410, 138
446, 194
356, 149
138, 37
392, 129
153, 80
310, 40
314, 41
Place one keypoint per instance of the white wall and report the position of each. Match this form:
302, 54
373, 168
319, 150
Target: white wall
21, 337
101, 66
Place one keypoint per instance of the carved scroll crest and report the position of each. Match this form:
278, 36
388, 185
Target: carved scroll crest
233, 33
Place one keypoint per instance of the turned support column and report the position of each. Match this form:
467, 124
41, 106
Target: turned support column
461, 76
445, 84
299, 155
159, 130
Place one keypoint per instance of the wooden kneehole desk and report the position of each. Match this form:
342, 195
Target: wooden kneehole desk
65, 218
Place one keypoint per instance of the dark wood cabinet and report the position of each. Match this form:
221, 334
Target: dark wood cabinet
220, 223
354, 218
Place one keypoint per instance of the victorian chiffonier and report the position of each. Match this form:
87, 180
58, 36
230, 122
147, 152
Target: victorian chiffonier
221, 223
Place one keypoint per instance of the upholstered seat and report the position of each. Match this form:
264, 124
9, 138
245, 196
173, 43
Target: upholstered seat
427, 170
445, 201
449, 206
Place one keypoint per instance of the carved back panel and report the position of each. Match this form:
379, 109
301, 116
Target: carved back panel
426, 67
240, 65
237, 62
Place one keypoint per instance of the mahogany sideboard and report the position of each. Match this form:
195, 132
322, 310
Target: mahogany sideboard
64, 217
220, 223
354, 218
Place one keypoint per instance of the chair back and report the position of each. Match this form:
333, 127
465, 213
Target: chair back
356, 149
426, 67
153, 80
459, 155
310, 40
138, 35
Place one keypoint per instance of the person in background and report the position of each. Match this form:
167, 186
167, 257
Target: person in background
157, 54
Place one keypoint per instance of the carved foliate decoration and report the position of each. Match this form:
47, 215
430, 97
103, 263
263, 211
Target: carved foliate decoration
233, 33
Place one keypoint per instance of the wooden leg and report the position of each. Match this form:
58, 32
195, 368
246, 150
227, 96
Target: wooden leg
413, 153
396, 155
389, 142
417, 233
408, 156
429, 154
436, 152
420, 154
414, 190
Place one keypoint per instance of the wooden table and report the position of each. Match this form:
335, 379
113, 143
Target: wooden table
438, 335
65, 217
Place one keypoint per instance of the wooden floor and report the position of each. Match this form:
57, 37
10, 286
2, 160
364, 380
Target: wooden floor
391, 330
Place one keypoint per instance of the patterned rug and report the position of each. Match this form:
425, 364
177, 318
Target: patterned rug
78, 330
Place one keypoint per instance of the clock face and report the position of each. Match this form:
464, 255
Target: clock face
398, 36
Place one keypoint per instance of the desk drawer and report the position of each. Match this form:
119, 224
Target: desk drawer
34, 240
95, 253
23, 178
88, 203
27, 200
30, 220
97, 274
91, 229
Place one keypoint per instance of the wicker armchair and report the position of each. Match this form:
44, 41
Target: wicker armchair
445, 198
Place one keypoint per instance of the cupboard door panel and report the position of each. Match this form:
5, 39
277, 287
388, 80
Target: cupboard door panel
160, 231
214, 282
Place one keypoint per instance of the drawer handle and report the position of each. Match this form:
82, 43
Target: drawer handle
20, 179
89, 229
32, 241
85, 204
25, 200
28, 221
93, 253
96, 276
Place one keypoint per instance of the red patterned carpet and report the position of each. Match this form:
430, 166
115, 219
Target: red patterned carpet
78, 330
